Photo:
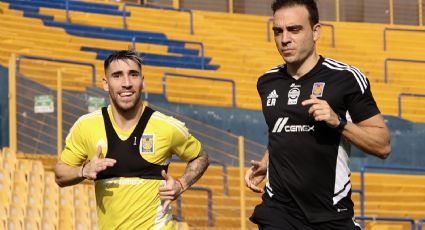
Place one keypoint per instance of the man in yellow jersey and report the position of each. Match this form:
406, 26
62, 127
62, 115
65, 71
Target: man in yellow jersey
126, 148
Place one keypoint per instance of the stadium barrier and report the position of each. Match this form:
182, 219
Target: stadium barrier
397, 29
386, 60
14, 65
401, 95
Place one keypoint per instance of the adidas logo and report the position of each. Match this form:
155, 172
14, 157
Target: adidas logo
271, 99
273, 95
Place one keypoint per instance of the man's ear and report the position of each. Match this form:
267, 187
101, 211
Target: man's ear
317, 29
105, 84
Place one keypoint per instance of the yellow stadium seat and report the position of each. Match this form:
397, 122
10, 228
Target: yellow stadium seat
32, 223
15, 223
49, 224
66, 208
181, 226
3, 216
6, 188
17, 210
9, 160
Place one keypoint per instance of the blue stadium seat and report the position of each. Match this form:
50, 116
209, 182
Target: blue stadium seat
73, 5
194, 62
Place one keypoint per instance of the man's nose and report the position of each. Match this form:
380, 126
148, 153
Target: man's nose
126, 82
286, 38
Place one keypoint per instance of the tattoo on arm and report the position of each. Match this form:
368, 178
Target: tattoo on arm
196, 168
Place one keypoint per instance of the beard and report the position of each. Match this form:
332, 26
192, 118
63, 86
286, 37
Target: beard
126, 106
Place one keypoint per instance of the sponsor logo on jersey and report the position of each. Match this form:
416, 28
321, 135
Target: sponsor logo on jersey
280, 126
147, 144
271, 99
342, 210
294, 85
318, 88
293, 95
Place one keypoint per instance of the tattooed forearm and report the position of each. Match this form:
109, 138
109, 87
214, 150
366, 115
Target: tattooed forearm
195, 169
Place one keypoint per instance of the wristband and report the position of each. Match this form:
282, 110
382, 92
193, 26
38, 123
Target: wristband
82, 168
342, 123
181, 184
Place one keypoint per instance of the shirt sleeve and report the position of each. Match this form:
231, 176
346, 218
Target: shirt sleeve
361, 104
183, 144
74, 153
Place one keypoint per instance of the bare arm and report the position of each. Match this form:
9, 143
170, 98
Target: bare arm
194, 170
371, 135
66, 175
173, 188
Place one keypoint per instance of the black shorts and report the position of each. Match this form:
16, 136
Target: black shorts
271, 216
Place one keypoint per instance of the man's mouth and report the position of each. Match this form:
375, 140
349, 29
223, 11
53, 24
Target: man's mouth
286, 51
126, 94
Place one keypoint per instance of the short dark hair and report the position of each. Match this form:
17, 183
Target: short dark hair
123, 55
309, 4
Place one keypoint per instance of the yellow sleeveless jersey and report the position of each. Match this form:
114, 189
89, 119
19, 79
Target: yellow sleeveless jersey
131, 202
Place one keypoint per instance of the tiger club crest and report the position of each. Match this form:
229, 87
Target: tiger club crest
318, 88
147, 144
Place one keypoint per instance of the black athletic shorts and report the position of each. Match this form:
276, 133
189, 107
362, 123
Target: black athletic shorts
270, 215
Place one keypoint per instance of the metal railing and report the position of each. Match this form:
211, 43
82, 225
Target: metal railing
209, 193
164, 83
401, 95
230, 4
67, 18
362, 191
268, 29
393, 219
124, 17
20, 57
420, 223
225, 176
134, 40
332, 32
398, 60
67, 12
397, 29
323, 24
